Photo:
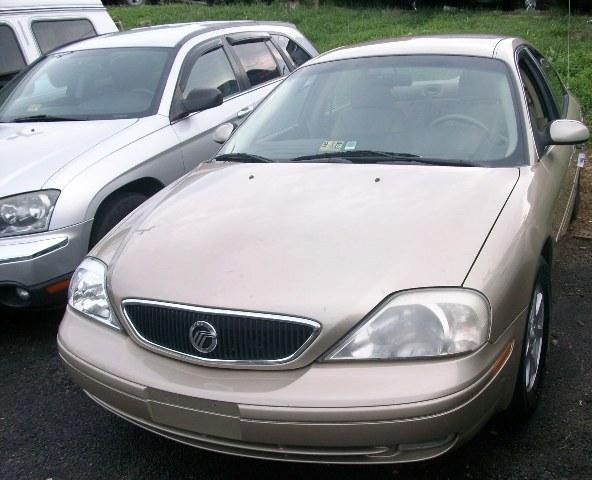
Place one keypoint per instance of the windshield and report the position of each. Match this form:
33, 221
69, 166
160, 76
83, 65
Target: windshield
98, 84
452, 108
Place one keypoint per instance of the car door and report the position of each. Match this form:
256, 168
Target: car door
221, 64
560, 99
556, 162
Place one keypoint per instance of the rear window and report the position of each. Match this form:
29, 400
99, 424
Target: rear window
257, 61
11, 57
292, 49
51, 34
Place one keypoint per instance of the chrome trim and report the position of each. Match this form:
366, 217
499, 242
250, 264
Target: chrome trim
232, 313
31, 248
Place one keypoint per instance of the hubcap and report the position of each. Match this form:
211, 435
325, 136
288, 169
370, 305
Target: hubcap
534, 336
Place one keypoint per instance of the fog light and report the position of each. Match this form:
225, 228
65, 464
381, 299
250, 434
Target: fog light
22, 294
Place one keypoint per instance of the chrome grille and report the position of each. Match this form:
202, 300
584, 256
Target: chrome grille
241, 337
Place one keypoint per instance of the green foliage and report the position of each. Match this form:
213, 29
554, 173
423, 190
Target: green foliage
331, 26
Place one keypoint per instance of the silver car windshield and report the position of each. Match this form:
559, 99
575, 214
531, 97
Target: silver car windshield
413, 108
88, 85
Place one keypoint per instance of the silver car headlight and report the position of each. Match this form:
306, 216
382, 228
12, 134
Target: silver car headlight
27, 212
88, 292
420, 324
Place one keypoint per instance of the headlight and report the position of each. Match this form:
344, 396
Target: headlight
88, 292
27, 212
419, 324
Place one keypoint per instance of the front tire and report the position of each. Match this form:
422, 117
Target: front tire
113, 211
534, 347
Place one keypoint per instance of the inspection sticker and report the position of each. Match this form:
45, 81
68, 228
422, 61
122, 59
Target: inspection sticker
332, 146
351, 145
581, 160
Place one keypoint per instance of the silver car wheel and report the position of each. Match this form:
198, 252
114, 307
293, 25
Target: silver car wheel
135, 3
534, 336
530, 4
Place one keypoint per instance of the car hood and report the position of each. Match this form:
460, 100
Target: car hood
30, 153
322, 241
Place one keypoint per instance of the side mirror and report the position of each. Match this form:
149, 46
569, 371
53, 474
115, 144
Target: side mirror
197, 100
223, 132
568, 132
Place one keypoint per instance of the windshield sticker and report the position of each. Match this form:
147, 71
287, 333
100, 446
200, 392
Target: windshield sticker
337, 146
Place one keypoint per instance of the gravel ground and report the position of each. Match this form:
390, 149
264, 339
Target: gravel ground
50, 429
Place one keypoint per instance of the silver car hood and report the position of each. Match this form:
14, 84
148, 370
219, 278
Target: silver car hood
322, 241
30, 153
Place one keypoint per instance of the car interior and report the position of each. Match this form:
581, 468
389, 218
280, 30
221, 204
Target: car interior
92, 84
436, 112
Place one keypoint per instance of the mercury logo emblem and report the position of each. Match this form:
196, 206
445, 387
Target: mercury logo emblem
203, 337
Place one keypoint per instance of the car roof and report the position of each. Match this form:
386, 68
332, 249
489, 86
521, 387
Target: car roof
48, 4
469, 45
170, 35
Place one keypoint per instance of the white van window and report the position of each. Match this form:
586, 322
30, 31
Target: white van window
51, 34
11, 57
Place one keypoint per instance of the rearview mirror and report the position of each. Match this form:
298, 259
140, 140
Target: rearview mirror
568, 132
197, 100
223, 132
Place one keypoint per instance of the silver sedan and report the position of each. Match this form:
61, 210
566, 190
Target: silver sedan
93, 129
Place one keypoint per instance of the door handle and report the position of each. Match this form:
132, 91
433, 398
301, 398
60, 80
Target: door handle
243, 112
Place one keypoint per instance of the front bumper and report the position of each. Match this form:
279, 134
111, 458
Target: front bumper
301, 415
40, 264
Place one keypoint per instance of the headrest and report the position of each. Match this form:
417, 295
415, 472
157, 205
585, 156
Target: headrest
478, 85
371, 92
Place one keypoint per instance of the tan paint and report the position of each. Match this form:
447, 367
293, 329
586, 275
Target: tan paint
328, 242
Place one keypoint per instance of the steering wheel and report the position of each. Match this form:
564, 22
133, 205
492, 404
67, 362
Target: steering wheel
489, 135
459, 117
144, 91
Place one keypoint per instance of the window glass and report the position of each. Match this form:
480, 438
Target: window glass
537, 109
555, 84
88, 85
211, 70
52, 34
292, 49
257, 61
432, 106
11, 57
284, 70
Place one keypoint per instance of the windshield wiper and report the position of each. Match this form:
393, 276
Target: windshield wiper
242, 157
377, 156
353, 155
45, 118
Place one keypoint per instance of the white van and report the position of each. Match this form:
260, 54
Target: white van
31, 28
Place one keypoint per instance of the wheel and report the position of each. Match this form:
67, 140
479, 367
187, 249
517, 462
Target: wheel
112, 211
534, 347
135, 3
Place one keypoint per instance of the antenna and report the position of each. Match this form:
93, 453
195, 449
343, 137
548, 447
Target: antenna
568, 40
